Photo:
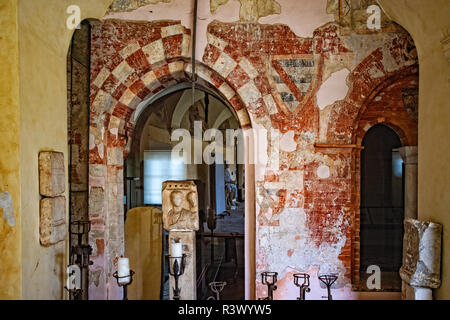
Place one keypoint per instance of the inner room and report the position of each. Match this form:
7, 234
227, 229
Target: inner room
152, 161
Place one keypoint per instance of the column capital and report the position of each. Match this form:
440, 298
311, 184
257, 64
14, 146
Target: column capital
409, 154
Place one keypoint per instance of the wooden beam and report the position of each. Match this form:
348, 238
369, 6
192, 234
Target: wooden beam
346, 146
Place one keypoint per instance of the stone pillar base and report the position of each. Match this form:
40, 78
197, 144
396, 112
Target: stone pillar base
423, 294
187, 282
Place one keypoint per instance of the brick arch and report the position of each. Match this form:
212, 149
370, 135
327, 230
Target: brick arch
365, 88
164, 76
398, 130
235, 107
132, 63
398, 121
369, 115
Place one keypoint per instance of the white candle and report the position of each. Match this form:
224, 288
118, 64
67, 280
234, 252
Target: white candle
123, 270
177, 251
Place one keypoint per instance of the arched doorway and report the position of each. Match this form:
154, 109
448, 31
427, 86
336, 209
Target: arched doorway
111, 119
382, 206
150, 162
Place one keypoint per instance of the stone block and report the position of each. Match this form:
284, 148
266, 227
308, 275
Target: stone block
52, 224
52, 182
180, 205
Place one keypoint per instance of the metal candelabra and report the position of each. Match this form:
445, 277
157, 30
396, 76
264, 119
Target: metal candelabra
301, 280
80, 255
176, 270
217, 287
328, 280
123, 284
269, 279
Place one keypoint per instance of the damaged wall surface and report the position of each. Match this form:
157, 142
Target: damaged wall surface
37, 103
307, 207
10, 218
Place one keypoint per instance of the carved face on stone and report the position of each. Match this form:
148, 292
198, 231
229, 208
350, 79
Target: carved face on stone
177, 198
192, 198
180, 205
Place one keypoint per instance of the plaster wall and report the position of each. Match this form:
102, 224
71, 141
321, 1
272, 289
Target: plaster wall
43, 46
44, 40
305, 215
428, 23
10, 233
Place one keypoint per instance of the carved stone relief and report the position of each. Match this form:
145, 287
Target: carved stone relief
180, 205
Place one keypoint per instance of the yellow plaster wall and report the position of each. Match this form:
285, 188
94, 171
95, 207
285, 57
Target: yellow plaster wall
427, 21
43, 43
10, 236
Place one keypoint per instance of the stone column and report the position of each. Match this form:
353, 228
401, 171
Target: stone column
180, 218
409, 156
421, 269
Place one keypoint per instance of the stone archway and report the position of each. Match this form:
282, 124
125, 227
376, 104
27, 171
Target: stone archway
121, 81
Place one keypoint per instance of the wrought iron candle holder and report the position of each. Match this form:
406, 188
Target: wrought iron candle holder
301, 280
124, 285
328, 280
176, 270
80, 228
80, 255
216, 287
269, 279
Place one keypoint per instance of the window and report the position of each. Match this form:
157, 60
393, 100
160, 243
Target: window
160, 166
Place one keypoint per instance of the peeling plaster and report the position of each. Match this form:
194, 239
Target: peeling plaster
94, 277
334, 89
129, 5
287, 142
296, 230
305, 252
261, 145
323, 172
214, 4
6, 204
323, 122
177, 9
252, 10
312, 15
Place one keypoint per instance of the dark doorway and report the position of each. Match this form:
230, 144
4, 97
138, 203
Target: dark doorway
220, 239
382, 208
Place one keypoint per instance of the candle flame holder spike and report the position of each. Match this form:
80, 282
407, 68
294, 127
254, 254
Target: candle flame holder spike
176, 270
123, 284
328, 280
269, 279
302, 280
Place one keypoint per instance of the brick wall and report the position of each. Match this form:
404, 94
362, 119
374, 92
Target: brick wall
307, 209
